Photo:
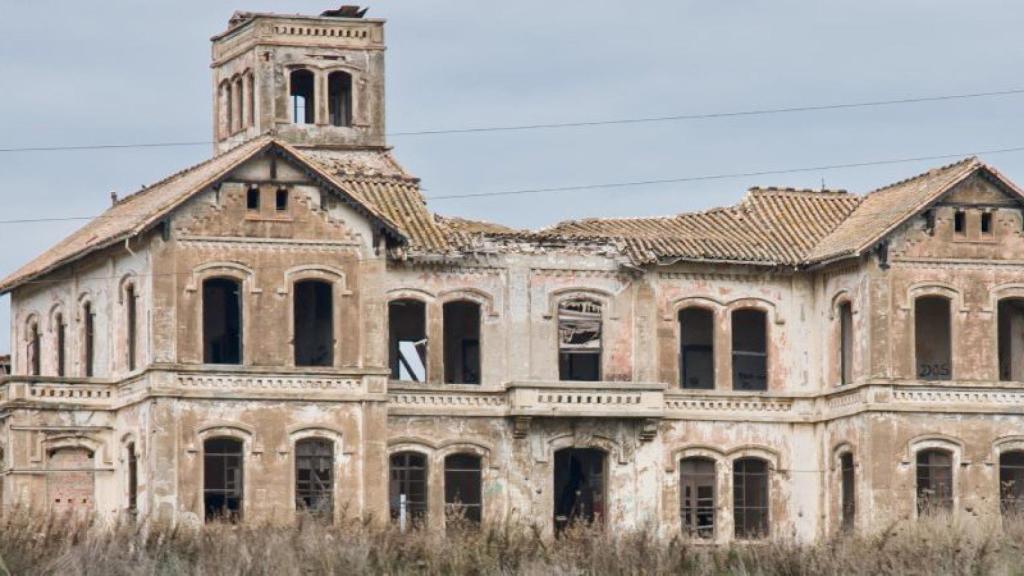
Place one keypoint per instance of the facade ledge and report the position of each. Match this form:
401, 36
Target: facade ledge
587, 399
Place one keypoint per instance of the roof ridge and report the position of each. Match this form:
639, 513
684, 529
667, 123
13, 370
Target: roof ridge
929, 172
798, 191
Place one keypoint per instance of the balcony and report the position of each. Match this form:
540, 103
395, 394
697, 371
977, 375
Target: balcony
587, 399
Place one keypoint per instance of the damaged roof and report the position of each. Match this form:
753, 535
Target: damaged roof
769, 226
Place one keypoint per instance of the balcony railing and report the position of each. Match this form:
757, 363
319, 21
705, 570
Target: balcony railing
587, 399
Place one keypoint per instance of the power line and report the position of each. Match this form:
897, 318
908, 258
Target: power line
558, 125
627, 184
719, 176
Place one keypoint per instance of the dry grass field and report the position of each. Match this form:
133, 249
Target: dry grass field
34, 545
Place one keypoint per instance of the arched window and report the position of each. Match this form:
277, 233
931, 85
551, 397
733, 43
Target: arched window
579, 339
133, 480
303, 89
225, 108
314, 477
697, 348
751, 498
60, 327
1011, 483
749, 349
845, 343
222, 321
407, 488
463, 497
932, 338
33, 351
130, 316
407, 326
1011, 339
934, 481
697, 496
88, 340
848, 496
223, 469
250, 82
238, 97
339, 95
461, 342
313, 318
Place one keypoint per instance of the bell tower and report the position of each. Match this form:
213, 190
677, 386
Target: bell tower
313, 81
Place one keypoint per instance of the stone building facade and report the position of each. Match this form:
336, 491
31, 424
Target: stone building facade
286, 327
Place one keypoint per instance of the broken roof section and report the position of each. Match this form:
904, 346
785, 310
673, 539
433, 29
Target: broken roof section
769, 227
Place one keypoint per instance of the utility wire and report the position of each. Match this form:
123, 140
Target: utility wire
557, 125
608, 185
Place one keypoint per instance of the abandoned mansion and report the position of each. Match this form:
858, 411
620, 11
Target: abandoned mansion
287, 328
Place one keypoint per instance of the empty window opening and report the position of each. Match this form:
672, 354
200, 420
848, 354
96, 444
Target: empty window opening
222, 321
236, 106
89, 330
251, 93
749, 349
1011, 484
463, 497
339, 94
61, 328
314, 477
697, 497
133, 480
934, 481
697, 348
34, 350
407, 488
462, 342
407, 324
932, 342
131, 329
845, 343
986, 222
252, 199
222, 479
1011, 339
960, 222
929, 221
281, 199
848, 497
579, 490
226, 107
579, 340
314, 323
750, 498
303, 100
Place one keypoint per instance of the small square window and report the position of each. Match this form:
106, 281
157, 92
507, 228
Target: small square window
252, 199
986, 222
282, 199
959, 222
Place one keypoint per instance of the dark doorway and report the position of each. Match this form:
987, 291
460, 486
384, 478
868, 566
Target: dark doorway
579, 486
222, 479
462, 342
314, 323
222, 321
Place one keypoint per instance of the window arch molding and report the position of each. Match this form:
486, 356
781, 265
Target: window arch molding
57, 309
1003, 292
603, 297
924, 289
232, 430
708, 452
233, 270
611, 447
129, 279
754, 303
484, 299
841, 297
479, 449
102, 457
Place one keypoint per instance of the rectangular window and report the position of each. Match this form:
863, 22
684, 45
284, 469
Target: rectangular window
750, 498
960, 222
407, 326
461, 342
579, 335
90, 338
697, 348
933, 343
986, 222
61, 354
934, 481
849, 494
845, 343
252, 199
131, 328
462, 489
697, 497
314, 477
749, 350
281, 202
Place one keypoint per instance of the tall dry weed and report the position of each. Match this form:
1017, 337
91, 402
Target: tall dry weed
34, 544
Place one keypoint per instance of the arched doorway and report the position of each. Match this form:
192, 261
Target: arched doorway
579, 486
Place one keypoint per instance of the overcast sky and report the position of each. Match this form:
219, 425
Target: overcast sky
121, 71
